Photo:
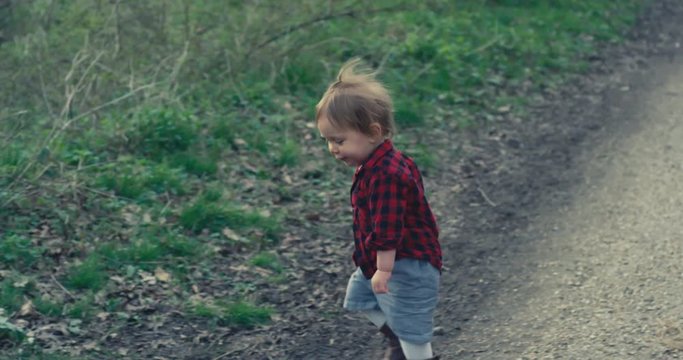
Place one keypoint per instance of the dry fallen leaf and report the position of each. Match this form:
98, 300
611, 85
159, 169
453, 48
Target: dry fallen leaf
162, 275
232, 235
148, 278
90, 346
26, 309
22, 282
265, 213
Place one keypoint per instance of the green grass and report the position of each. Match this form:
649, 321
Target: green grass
18, 252
195, 164
11, 296
82, 308
163, 131
238, 313
151, 247
289, 154
47, 307
134, 178
88, 275
10, 332
267, 260
215, 217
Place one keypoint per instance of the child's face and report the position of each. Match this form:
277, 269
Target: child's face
347, 145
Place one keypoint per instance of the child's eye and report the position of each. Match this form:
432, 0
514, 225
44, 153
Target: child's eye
339, 142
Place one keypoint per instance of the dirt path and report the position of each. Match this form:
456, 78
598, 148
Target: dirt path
594, 268
601, 277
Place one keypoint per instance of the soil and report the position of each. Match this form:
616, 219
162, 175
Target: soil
561, 231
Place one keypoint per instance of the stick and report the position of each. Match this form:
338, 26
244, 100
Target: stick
63, 288
483, 194
301, 25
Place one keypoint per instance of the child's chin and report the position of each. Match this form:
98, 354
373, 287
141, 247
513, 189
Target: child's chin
348, 162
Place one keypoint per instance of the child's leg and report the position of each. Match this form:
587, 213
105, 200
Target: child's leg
409, 306
376, 317
417, 351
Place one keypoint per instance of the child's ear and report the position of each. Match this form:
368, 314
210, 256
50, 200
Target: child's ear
376, 131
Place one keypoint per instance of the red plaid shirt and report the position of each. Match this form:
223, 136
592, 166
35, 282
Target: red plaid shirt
390, 211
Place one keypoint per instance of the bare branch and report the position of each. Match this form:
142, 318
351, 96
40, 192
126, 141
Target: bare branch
321, 18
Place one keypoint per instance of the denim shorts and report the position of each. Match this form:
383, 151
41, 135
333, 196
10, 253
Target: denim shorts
409, 305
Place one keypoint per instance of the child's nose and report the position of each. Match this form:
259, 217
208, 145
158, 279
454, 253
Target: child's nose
333, 148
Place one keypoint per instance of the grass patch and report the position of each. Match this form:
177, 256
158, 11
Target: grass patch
10, 333
239, 313
267, 260
12, 159
88, 275
182, 246
83, 308
47, 307
289, 154
215, 217
163, 131
424, 158
139, 177
150, 247
18, 252
195, 164
11, 296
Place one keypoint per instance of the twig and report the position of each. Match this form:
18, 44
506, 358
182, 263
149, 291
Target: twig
56, 133
485, 46
173, 84
483, 194
291, 29
63, 288
100, 192
44, 92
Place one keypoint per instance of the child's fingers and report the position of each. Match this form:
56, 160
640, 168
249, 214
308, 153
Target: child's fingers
380, 288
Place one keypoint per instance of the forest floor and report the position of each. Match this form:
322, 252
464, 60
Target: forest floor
560, 230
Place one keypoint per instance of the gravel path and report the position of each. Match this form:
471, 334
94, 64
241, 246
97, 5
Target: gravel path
597, 270
603, 275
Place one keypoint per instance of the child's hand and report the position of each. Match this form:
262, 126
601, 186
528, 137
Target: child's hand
379, 282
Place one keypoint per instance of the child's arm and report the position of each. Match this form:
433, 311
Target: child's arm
385, 265
387, 203
385, 260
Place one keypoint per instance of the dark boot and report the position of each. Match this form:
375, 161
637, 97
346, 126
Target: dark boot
394, 351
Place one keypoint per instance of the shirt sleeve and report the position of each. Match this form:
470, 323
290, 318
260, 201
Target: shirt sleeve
387, 203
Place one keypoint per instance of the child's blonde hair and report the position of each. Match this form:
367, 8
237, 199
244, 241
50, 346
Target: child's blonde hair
356, 100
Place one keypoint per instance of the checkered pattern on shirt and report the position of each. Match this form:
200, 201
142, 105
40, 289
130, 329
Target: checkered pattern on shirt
390, 211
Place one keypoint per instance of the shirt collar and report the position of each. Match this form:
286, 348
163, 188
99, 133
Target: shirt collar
376, 154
